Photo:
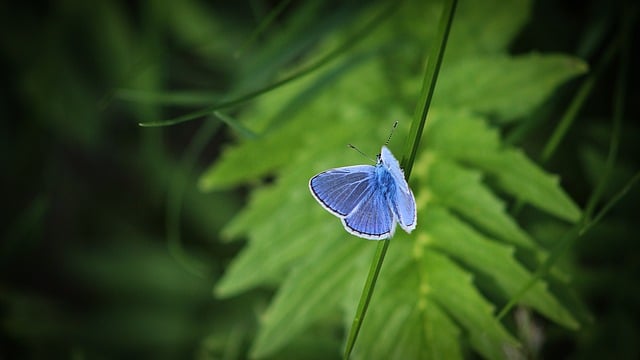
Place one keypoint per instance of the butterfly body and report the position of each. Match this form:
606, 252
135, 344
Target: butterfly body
369, 199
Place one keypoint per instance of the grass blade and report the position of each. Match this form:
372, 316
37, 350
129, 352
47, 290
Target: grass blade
420, 117
342, 48
576, 104
588, 221
428, 87
175, 197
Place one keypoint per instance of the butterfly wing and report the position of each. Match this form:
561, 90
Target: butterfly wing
341, 190
372, 219
368, 201
402, 202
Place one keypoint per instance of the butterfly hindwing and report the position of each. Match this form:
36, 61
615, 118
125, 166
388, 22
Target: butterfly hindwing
373, 219
340, 190
404, 208
402, 201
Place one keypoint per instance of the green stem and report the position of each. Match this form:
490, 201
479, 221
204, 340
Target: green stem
588, 221
344, 47
415, 134
564, 243
576, 104
571, 114
618, 113
264, 24
428, 87
367, 292
175, 197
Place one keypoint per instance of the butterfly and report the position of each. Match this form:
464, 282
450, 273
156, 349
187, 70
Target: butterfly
368, 199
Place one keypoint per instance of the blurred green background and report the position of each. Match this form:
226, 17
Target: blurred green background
86, 270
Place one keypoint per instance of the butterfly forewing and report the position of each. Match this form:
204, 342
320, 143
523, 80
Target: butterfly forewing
341, 190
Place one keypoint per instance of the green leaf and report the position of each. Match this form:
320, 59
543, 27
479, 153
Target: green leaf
449, 234
504, 86
468, 139
473, 34
460, 133
269, 235
452, 288
462, 190
311, 291
260, 157
521, 177
403, 318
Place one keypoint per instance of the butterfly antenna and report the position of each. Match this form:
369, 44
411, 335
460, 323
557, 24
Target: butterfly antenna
361, 153
392, 129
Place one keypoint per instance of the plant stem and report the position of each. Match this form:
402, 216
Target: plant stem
415, 134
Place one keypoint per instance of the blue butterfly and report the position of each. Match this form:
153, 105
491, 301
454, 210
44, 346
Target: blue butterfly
368, 199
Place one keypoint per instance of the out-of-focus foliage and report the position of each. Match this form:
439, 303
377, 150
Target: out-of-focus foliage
85, 267
111, 248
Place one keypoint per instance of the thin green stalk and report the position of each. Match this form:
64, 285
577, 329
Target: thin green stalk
415, 134
578, 101
344, 47
587, 221
428, 87
571, 114
264, 24
619, 96
175, 197
174, 98
235, 125
577, 231
605, 209
367, 292
193, 98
